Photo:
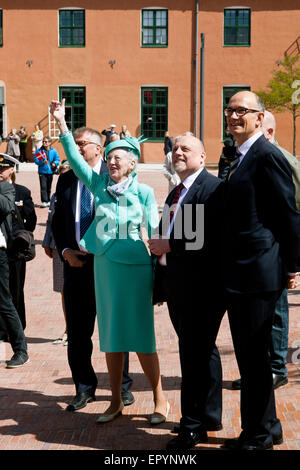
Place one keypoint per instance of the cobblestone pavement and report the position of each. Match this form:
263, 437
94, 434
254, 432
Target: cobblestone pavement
33, 398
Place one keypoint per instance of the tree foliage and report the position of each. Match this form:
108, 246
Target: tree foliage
281, 89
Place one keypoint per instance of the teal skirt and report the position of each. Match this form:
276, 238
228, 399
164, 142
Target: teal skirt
124, 306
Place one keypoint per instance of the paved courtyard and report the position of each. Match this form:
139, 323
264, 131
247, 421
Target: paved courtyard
33, 398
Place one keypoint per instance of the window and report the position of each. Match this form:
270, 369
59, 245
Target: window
236, 27
72, 28
154, 108
75, 106
1, 28
228, 92
154, 28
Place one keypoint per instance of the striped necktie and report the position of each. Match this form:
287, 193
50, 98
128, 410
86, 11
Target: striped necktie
86, 210
175, 200
234, 164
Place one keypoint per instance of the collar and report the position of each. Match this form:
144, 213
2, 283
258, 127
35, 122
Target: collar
189, 180
248, 143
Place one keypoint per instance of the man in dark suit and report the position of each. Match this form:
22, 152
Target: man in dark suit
17, 268
8, 312
187, 274
79, 293
262, 247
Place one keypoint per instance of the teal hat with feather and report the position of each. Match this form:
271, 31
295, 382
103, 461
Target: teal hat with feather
131, 144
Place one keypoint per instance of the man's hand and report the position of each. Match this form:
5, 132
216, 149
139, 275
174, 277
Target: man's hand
57, 110
159, 246
292, 282
74, 258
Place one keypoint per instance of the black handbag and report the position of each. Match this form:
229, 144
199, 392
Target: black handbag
20, 243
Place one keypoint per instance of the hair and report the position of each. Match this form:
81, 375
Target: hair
13, 176
260, 103
47, 137
130, 155
188, 133
81, 130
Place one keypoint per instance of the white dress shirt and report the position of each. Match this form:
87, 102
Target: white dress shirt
187, 183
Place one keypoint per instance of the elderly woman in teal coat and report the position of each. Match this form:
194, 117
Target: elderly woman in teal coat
122, 264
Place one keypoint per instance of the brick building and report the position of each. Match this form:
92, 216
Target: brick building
139, 63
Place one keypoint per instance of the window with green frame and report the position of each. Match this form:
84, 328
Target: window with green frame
1, 28
237, 26
71, 28
154, 28
154, 112
75, 106
228, 92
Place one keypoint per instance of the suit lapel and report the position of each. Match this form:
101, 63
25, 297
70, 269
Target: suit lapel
247, 160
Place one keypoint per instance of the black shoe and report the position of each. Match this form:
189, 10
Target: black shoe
18, 360
207, 427
127, 398
239, 444
236, 384
80, 401
186, 440
279, 380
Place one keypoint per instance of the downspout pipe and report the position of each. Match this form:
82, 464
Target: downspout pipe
196, 71
202, 88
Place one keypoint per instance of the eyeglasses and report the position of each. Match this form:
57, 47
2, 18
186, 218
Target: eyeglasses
46, 141
239, 111
83, 143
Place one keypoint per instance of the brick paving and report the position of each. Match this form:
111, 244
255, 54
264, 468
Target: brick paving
33, 398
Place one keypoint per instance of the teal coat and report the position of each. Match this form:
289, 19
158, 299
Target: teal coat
117, 223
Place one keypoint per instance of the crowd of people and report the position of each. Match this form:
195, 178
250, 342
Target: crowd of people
240, 230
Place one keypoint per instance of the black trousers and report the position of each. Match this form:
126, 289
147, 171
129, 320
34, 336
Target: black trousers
8, 312
251, 319
196, 316
80, 303
17, 273
45, 185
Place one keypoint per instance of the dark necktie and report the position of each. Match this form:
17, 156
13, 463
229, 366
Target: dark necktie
234, 164
86, 210
175, 200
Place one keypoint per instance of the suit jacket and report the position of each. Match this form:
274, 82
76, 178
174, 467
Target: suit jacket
7, 205
63, 222
115, 229
262, 223
187, 253
25, 205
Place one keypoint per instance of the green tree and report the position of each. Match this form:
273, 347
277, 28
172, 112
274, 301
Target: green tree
281, 95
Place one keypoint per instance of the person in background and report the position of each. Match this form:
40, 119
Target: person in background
48, 161
169, 171
23, 143
108, 133
37, 138
50, 249
124, 132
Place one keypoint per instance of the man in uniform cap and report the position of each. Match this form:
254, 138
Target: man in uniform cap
108, 133
8, 312
17, 268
